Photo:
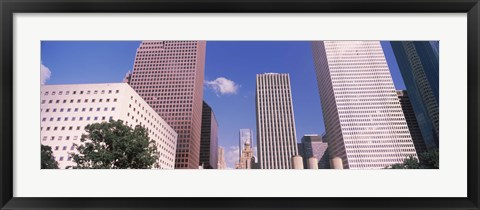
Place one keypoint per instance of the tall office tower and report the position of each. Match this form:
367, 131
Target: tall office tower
246, 135
363, 117
221, 158
65, 110
419, 65
276, 135
411, 121
313, 146
168, 75
209, 140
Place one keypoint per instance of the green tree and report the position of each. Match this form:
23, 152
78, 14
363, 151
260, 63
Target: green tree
113, 145
428, 160
47, 159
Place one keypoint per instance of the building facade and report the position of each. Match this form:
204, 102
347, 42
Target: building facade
65, 110
247, 160
419, 65
276, 134
221, 158
209, 140
169, 76
364, 121
245, 135
411, 122
312, 145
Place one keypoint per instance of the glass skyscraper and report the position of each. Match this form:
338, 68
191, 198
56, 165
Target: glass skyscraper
419, 66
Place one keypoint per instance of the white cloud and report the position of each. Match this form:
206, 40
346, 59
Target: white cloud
45, 74
222, 86
231, 156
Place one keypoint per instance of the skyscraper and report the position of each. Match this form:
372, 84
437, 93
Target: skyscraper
169, 76
277, 142
246, 135
363, 118
411, 121
419, 65
209, 140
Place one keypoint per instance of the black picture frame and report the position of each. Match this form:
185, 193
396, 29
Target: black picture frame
10, 7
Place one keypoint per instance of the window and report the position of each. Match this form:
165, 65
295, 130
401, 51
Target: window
83, 109
64, 148
75, 138
43, 101
68, 92
73, 118
59, 118
67, 138
61, 158
47, 110
76, 109
44, 119
44, 138
46, 93
48, 128
98, 109
114, 100
80, 118
70, 128
100, 100
60, 138
103, 118
52, 138
88, 118
66, 119
55, 128
54, 110
96, 118
105, 109
61, 110
115, 91
56, 147
68, 110
50, 101
69, 158
78, 128
113, 108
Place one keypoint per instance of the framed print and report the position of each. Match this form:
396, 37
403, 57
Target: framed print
239, 105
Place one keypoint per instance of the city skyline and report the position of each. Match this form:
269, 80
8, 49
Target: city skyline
229, 90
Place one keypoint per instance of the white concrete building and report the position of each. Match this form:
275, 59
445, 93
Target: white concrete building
66, 109
363, 117
276, 135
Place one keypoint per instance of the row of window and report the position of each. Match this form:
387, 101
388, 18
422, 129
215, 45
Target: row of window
80, 92
78, 101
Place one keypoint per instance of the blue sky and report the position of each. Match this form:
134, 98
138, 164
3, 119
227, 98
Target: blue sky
72, 62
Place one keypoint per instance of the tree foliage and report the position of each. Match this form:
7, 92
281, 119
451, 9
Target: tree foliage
428, 160
113, 145
47, 159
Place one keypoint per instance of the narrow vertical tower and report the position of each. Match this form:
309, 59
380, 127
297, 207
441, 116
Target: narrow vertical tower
169, 76
209, 140
277, 142
363, 117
